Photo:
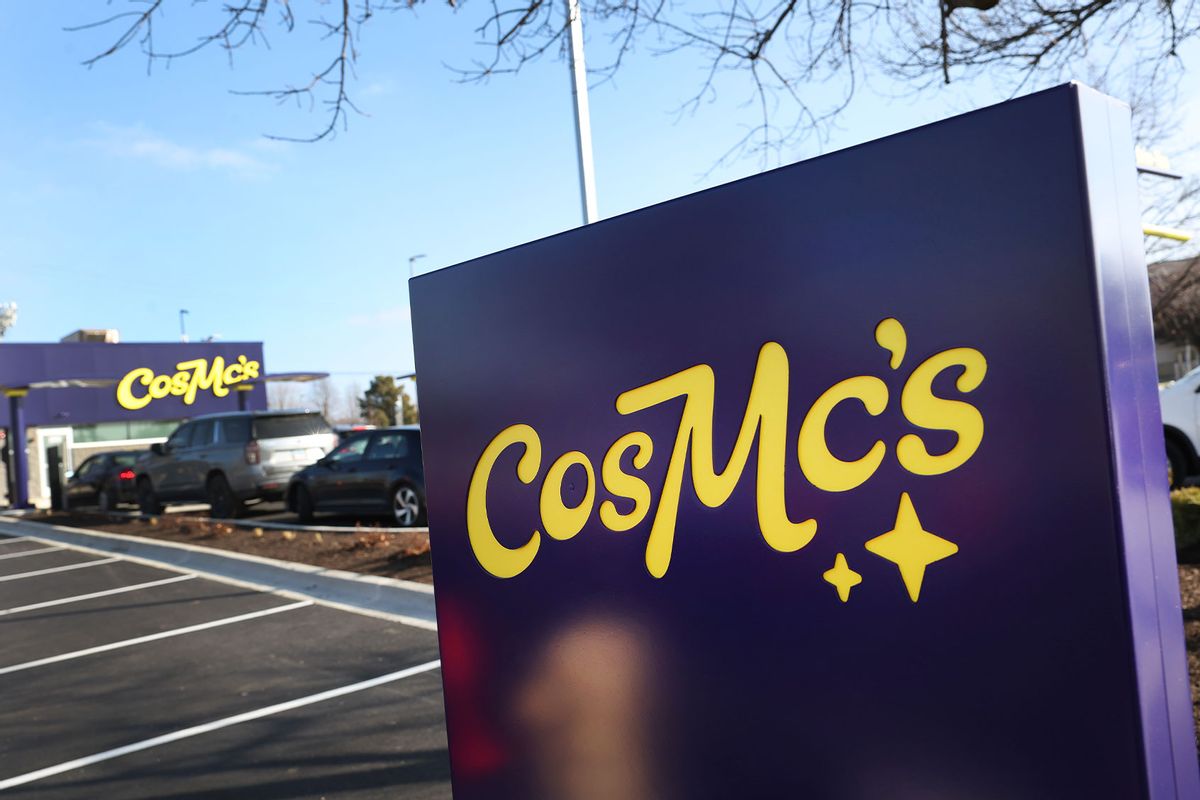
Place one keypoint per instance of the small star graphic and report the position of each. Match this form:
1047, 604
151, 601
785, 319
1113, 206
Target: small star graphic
842, 577
910, 547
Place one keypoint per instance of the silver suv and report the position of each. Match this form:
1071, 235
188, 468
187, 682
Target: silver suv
231, 460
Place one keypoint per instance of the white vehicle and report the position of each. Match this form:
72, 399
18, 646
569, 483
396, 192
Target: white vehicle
1180, 401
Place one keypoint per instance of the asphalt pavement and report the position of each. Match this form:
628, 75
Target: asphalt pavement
124, 680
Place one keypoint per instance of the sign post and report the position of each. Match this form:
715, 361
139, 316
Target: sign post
729, 499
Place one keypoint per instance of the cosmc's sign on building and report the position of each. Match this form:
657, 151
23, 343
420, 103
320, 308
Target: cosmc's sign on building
843, 481
140, 386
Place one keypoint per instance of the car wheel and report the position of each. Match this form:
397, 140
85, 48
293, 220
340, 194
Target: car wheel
104, 499
406, 506
1176, 465
221, 499
147, 498
304, 504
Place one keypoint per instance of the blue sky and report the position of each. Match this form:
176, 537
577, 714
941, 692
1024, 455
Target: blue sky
125, 197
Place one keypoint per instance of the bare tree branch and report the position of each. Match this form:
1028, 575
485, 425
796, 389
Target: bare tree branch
779, 47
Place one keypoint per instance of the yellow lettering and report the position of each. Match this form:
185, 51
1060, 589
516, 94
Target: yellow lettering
925, 410
202, 379
501, 561
160, 386
622, 484
191, 377
125, 396
766, 417
560, 521
823, 469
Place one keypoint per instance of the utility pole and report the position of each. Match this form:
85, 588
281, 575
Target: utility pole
183, 312
583, 122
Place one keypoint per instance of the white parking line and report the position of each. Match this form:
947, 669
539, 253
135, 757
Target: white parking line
12, 539
107, 592
37, 572
24, 553
104, 648
208, 727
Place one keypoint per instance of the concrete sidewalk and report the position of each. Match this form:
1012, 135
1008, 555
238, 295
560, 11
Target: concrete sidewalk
402, 601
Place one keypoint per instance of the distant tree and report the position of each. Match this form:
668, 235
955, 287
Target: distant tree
378, 403
409, 413
780, 47
1175, 294
338, 404
283, 395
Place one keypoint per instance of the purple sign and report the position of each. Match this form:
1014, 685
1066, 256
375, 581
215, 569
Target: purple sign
842, 481
134, 381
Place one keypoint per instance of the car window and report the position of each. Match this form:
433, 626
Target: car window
233, 430
180, 437
125, 460
350, 451
277, 426
88, 467
388, 445
202, 436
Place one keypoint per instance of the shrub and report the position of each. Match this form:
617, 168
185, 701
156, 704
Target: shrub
1185, 512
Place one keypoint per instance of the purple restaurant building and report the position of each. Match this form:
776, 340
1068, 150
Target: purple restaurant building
88, 394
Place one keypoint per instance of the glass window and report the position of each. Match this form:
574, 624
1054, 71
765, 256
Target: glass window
350, 451
150, 429
88, 468
120, 431
101, 432
388, 445
125, 459
233, 430
202, 435
281, 425
180, 437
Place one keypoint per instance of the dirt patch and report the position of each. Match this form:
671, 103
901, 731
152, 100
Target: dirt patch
373, 552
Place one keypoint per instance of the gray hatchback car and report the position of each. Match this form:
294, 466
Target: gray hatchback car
231, 460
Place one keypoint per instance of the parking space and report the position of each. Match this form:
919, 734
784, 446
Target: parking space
129, 681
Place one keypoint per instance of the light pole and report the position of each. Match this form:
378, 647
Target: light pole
183, 312
583, 122
412, 260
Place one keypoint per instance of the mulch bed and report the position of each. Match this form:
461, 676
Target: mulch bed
1189, 589
373, 552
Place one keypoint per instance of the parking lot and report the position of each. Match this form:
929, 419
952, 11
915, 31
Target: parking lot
125, 680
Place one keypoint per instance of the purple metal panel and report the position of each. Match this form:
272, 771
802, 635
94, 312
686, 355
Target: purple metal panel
22, 364
1026, 667
1137, 439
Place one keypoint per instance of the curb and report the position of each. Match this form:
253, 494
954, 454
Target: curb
402, 601
253, 523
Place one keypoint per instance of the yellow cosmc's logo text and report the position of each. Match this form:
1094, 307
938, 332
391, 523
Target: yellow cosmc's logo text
765, 419
191, 377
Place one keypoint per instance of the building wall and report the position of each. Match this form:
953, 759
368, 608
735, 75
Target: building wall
91, 418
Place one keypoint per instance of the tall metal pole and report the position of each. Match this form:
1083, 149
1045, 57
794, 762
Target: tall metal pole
411, 261
183, 312
583, 122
